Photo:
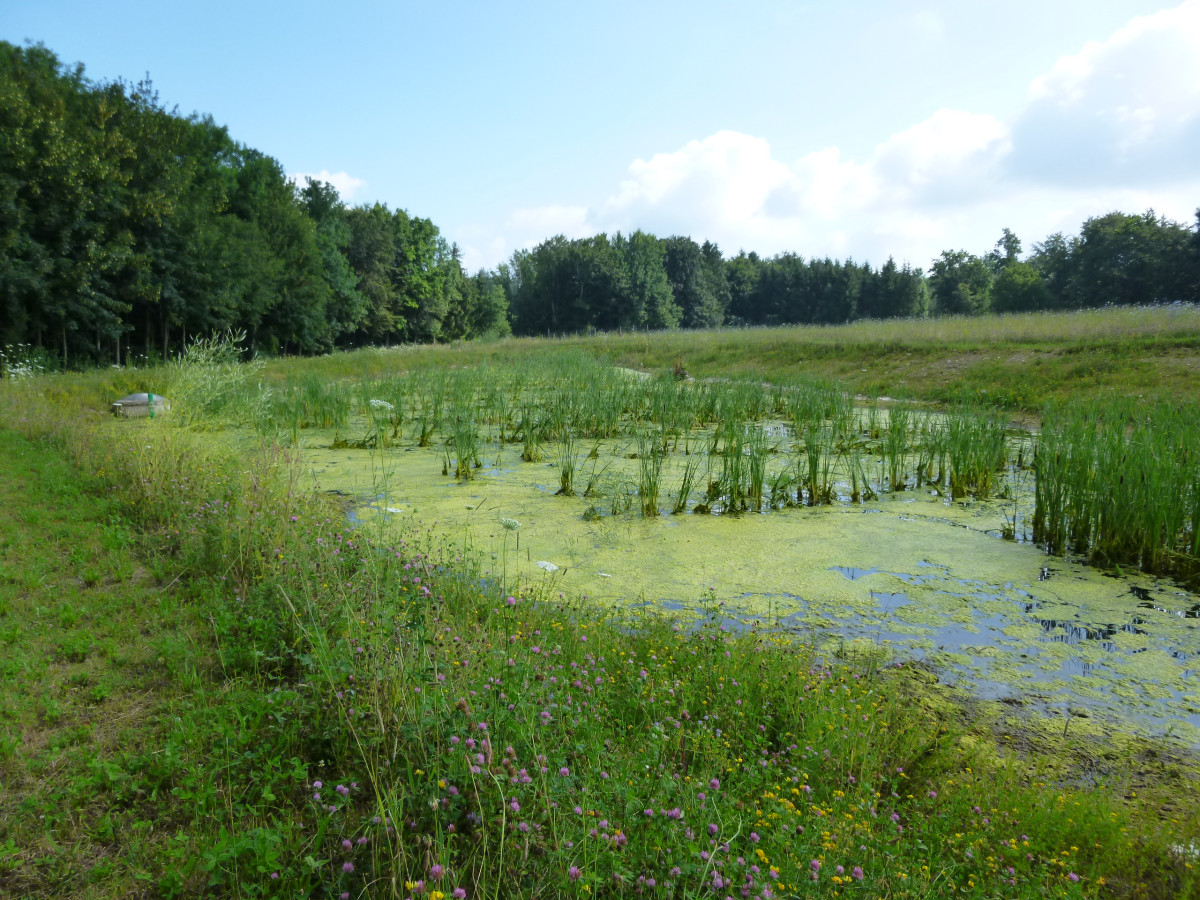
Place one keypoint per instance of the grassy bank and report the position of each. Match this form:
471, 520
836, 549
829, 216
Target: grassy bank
216, 687
122, 736
1018, 361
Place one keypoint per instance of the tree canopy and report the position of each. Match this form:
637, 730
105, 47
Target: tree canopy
126, 228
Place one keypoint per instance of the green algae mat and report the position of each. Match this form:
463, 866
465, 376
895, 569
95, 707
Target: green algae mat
915, 573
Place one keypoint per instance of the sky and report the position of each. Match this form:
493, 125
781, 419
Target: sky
854, 130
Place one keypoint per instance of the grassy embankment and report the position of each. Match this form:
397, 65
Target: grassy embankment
1018, 361
212, 687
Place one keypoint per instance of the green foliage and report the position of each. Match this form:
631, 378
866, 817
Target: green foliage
126, 230
697, 277
960, 284
124, 225
1120, 482
650, 299
1128, 259
209, 386
308, 710
1019, 288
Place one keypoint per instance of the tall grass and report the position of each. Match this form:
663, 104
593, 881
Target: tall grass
976, 449
817, 479
423, 731
567, 464
687, 484
650, 465
895, 446
860, 486
756, 467
531, 435
211, 388
465, 441
731, 488
1120, 483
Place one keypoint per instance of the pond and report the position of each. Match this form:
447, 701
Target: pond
914, 572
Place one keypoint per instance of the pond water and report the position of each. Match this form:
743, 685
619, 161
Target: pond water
912, 572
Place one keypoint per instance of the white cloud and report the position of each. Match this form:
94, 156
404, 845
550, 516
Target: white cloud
824, 185
949, 149
345, 183
727, 175
731, 189
478, 250
1125, 108
483, 249
1114, 126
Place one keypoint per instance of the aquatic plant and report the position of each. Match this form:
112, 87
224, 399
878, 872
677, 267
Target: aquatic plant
976, 449
781, 482
650, 463
895, 446
596, 473
465, 441
567, 463
687, 484
1120, 483
817, 478
756, 466
531, 435
429, 420
860, 486
730, 487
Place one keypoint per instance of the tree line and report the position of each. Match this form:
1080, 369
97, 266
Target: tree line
645, 282
641, 281
127, 229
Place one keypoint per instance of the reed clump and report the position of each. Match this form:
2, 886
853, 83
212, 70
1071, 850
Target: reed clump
976, 446
1119, 483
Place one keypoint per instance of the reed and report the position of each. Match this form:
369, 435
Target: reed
597, 473
860, 486
567, 464
756, 467
686, 485
730, 488
817, 479
430, 419
977, 448
925, 445
500, 412
895, 446
466, 446
531, 438
781, 482
650, 463
1120, 483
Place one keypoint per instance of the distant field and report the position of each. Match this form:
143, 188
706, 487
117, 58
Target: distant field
1019, 361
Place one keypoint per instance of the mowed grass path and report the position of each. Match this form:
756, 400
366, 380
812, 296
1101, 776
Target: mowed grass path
115, 726
88, 646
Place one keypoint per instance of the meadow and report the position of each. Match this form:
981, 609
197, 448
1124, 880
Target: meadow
1018, 361
219, 681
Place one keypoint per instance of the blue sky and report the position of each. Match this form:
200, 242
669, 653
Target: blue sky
856, 129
